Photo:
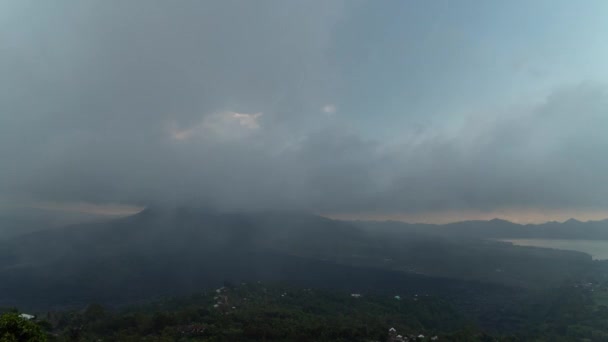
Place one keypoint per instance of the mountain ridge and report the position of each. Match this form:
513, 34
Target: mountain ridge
499, 228
179, 250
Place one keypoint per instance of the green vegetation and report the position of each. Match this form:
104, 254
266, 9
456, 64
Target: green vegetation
264, 312
174, 253
459, 289
14, 328
259, 312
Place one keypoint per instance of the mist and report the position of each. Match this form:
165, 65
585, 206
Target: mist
290, 170
288, 106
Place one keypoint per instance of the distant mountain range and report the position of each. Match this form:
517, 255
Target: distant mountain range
19, 221
179, 250
500, 229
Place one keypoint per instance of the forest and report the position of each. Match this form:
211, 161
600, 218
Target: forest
277, 312
292, 276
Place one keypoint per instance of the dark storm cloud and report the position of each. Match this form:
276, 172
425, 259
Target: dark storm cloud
90, 89
222, 102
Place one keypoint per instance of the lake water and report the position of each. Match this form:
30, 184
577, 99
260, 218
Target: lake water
598, 249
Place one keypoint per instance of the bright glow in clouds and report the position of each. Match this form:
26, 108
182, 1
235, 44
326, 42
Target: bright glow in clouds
222, 126
329, 109
246, 120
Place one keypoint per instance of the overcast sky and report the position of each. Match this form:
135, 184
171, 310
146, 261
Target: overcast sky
407, 109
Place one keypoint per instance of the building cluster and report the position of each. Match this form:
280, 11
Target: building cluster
192, 330
393, 336
221, 300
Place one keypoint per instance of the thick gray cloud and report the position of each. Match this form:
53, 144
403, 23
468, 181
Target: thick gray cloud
232, 103
92, 89
549, 155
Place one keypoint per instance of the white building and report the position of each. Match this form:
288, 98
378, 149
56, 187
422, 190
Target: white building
26, 316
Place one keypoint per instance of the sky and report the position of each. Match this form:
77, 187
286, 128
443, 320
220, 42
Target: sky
418, 110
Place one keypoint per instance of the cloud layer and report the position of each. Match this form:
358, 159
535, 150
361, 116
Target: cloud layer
241, 105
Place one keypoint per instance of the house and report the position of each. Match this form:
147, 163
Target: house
355, 295
434, 338
26, 316
398, 297
392, 335
420, 336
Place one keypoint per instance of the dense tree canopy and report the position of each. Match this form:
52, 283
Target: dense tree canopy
14, 328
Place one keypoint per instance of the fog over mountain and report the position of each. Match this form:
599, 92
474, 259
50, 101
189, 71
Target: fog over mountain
323, 106
303, 170
163, 250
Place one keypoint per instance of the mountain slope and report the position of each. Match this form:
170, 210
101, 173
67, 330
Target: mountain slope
174, 251
498, 229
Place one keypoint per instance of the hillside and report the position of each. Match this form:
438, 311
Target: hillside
269, 312
498, 229
176, 251
274, 312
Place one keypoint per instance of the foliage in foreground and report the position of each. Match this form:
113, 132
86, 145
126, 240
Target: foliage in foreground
16, 329
260, 312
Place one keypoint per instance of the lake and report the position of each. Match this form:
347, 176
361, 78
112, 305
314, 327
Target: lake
598, 249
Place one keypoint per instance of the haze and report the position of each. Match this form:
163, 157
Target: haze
407, 109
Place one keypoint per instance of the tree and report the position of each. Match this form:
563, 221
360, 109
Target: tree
94, 312
16, 329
